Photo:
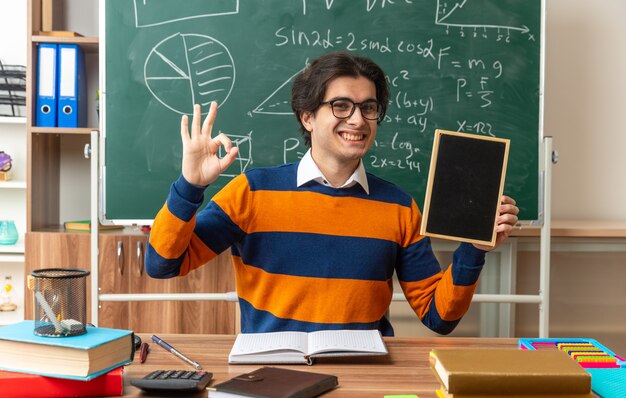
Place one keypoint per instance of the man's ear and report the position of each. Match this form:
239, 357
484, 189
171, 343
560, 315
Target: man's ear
305, 119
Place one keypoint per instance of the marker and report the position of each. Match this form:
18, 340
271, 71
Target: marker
144, 350
175, 352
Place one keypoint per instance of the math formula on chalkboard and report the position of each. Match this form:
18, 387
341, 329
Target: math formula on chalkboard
471, 66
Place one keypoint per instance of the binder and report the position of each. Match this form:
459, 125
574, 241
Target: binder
46, 98
72, 107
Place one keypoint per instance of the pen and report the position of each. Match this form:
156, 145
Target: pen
175, 352
143, 352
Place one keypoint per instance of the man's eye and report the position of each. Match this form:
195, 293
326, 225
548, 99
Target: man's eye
342, 105
368, 108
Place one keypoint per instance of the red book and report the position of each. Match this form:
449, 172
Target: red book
23, 385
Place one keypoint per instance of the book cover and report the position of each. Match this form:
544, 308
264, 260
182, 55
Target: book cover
502, 371
25, 385
81, 357
441, 393
85, 225
269, 382
303, 347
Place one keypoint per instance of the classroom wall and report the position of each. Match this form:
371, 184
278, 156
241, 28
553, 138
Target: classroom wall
585, 104
585, 101
13, 50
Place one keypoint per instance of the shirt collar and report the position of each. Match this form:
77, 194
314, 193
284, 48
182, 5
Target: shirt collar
308, 171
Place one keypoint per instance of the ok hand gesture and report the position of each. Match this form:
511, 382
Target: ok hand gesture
201, 163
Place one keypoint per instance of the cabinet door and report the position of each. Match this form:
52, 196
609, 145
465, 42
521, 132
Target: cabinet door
55, 250
148, 316
197, 316
207, 317
113, 269
122, 270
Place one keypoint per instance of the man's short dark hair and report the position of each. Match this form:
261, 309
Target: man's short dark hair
309, 87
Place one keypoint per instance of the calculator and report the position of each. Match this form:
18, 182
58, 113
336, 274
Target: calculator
174, 381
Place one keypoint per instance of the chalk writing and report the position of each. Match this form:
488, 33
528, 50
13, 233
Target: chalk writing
464, 65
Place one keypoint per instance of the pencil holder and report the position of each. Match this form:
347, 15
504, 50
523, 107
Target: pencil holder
60, 301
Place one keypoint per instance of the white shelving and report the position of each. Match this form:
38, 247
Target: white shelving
12, 120
12, 252
13, 141
12, 184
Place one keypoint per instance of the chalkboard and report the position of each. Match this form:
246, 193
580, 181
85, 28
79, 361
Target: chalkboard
467, 65
465, 183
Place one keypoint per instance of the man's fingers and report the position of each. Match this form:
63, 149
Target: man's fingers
207, 126
184, 131
229, 158
508, 200
195, 122
222, 139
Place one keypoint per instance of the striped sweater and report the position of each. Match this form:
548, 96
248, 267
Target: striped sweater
313, 257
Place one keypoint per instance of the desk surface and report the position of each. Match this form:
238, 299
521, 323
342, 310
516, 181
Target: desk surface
404, 371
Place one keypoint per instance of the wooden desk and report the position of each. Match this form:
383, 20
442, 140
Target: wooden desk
404, 371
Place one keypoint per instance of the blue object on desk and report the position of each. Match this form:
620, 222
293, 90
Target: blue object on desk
46, 98
608, 383
95, 336
72, 108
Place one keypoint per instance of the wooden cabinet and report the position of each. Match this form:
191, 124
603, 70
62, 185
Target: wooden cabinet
56, 250
122, 271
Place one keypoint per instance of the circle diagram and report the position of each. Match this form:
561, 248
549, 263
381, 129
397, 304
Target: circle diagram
187, 69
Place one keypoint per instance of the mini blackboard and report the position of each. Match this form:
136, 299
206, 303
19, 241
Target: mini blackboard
465, 184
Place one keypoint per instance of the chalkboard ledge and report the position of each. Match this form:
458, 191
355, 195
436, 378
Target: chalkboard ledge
577, 229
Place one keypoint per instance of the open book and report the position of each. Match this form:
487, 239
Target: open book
302, 347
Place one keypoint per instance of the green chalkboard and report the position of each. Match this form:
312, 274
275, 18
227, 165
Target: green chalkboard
463, 65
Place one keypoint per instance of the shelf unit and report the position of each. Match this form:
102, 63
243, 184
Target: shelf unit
57, 182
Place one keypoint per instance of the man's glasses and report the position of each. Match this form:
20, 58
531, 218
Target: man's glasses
343, 108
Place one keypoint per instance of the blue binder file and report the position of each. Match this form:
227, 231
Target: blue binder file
46, 99
72, 109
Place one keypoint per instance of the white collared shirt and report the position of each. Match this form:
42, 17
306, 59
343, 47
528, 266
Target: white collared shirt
308, 171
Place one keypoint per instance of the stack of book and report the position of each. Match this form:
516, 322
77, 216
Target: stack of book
510, 373
88, 365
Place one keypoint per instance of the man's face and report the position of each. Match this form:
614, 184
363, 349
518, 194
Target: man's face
342, 142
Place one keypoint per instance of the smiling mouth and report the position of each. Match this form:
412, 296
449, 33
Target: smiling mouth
352, 137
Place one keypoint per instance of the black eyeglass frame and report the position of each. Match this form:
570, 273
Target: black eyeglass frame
354, 105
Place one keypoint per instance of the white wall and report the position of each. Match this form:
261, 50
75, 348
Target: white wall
585, 107
79, 16
13, 31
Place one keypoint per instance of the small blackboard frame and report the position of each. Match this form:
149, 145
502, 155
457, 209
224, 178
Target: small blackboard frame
465, 187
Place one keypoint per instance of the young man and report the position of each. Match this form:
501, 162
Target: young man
315, 243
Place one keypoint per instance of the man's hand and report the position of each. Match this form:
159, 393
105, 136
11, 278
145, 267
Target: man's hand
201, 163
505, 222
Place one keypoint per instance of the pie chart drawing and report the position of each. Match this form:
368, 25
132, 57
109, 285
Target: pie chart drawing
187, 69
